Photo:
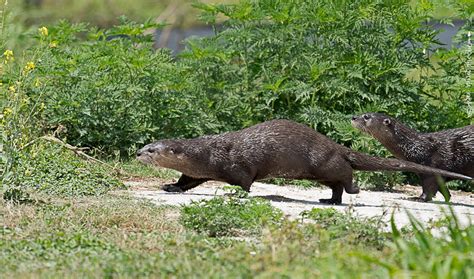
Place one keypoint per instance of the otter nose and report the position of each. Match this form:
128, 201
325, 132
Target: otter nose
146, 149
354, 117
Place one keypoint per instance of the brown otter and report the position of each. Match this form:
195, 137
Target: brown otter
277, 148
451, 150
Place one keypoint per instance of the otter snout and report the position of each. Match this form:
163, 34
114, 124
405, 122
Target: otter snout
356, 121
150, 149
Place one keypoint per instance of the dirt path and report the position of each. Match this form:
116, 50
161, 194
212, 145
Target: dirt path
293, 200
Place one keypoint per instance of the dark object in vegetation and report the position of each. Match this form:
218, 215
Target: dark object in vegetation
451, 150
277, 148
17, 196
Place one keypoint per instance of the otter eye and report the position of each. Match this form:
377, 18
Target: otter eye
366, 116
386, 121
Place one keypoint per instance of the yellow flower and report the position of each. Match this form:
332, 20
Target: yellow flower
53, 44
43, 31
29, 66
8, 54
7, 111
12, 88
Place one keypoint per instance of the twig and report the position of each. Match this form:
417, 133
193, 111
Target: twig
78, 151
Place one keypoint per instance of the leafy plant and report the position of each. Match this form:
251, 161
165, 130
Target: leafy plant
449, 256
229, 216
55, 170
347, 226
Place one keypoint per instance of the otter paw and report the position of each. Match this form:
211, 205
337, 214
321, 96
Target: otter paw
330, 201
425, 197
172, 188
421, 198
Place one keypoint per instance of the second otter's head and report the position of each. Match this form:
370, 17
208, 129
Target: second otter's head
163, 153
375, 124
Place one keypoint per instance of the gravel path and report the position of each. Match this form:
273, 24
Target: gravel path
293, 200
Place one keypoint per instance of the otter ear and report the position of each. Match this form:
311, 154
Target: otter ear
386, 122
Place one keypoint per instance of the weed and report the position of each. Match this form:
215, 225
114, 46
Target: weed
52, 169
229, 215
347, 226
449, 255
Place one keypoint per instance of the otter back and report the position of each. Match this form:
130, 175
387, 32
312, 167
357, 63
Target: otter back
451, 150
277, 148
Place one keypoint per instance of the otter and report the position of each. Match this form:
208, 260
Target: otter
451, 150
276, 148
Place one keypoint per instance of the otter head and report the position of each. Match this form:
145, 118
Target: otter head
163, 153
375, 124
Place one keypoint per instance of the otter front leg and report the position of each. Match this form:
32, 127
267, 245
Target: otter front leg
184, 183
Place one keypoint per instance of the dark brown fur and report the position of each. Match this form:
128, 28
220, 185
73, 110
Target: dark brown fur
451, 150
277, 148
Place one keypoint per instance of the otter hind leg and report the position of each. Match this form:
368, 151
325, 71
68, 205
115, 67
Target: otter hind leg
243, 183
352, 188
337, 190
430, 187
184, 183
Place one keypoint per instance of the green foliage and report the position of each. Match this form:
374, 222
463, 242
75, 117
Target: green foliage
352, 229
317, 62
314, 60
16, 196
427, 255
105, 90
55, 170
229, 216
109, 89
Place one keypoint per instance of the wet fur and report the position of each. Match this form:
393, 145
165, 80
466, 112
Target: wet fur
277, 148
451, 150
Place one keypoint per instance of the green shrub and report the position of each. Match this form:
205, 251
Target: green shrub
52, 169
229, 216
110, 89
319, 62
316, 61
346, 226
105, 90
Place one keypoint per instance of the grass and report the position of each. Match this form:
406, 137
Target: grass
134, 168
120, 236
117, 236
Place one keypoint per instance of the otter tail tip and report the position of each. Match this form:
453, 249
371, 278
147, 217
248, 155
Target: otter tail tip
467, 177
462, 176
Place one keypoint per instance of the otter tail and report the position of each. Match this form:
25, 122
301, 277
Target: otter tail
364, 162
